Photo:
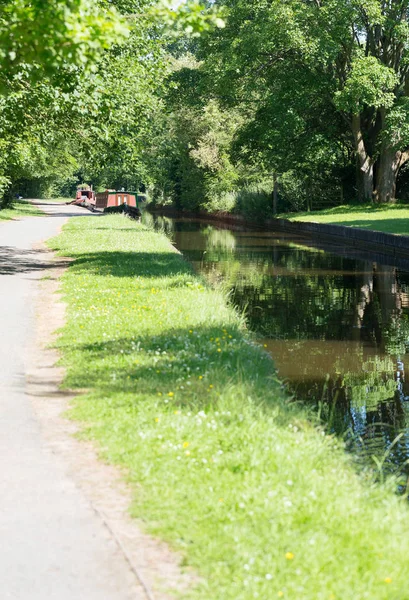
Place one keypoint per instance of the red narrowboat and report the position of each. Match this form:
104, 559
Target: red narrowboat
112, 198
85, 196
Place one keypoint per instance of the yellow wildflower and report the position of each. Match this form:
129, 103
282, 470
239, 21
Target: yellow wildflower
156, 420
185, 444
388, 580
171, 394
200, 376
289, 555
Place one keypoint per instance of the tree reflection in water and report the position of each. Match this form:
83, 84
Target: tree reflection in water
338, 328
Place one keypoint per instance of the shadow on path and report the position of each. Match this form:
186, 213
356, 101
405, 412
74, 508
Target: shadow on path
16, 260
67, 210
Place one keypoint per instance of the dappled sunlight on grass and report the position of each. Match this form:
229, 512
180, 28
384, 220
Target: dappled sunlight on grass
150, 265
398, 225
20, 208
223, 465
389, 218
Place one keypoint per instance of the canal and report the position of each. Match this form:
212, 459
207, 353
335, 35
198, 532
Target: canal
336, 325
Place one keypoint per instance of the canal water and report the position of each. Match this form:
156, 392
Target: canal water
337, 326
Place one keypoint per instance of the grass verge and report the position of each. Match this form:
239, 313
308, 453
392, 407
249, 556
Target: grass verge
386, 218
20, 208
223, 466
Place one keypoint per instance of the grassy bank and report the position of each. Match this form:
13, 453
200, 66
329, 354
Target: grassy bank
19, 208
386, 218
224, 467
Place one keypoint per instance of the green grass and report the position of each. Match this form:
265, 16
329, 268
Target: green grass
237, 478
20, 208
386, 218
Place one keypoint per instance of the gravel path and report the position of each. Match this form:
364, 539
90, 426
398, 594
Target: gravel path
53, 545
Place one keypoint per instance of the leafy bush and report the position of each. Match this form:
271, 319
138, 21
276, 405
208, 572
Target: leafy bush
255, 203
4, 186
224, 202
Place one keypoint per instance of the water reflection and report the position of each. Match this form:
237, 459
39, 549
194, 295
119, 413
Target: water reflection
337, 327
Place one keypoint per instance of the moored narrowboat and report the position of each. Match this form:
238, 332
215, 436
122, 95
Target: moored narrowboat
111, 198
85, 196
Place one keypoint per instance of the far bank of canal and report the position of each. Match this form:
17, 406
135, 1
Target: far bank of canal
336, 325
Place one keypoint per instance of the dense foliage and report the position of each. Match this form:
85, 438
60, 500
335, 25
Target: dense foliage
238, 105
321, 88
80, 83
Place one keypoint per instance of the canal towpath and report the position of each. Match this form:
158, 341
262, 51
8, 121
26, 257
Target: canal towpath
55, 544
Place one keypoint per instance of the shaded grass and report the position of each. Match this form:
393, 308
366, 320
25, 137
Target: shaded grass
386, 218
223, 466
20, 208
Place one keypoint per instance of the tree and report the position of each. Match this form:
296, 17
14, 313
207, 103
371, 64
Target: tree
46, 48
348, 57
72, 90
42, 36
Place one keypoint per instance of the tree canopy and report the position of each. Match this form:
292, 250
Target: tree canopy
226, 105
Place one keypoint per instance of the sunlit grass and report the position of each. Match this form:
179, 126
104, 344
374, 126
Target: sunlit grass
387, 218
223, 466
19, 208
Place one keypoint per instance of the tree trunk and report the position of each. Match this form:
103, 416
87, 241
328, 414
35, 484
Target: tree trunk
365, 183
386, 174
308, 190
365, 164
275, 193
388, 167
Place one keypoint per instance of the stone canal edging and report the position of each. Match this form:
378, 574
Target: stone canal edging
376, 242
369, 240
